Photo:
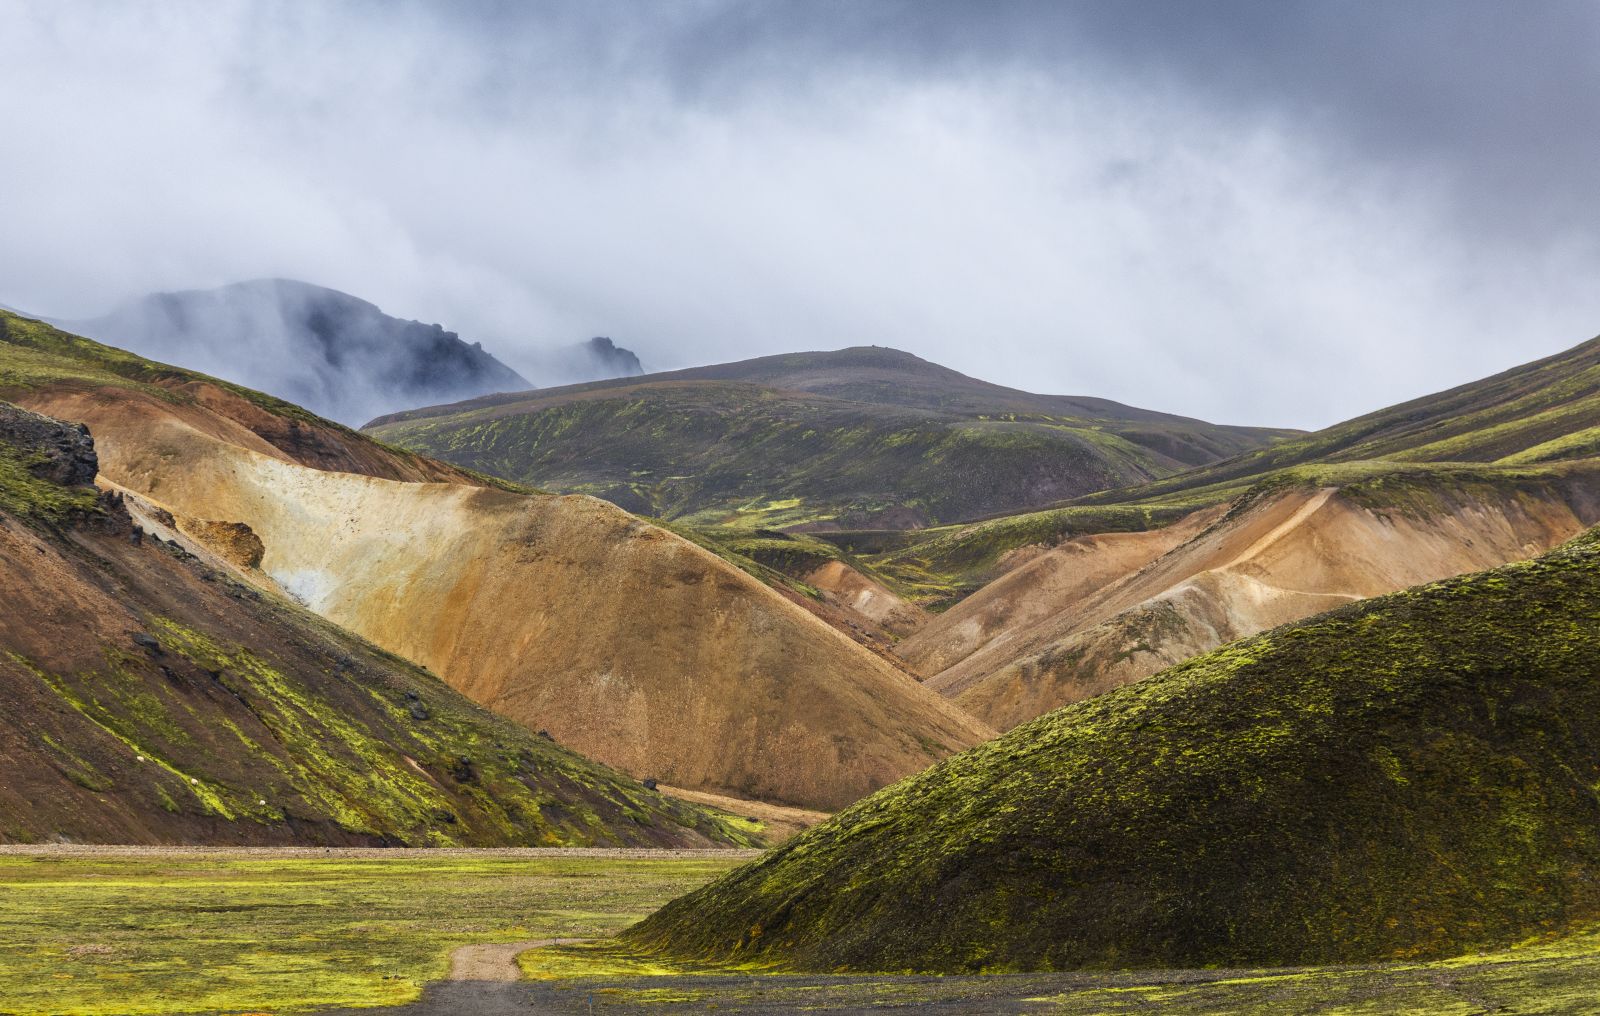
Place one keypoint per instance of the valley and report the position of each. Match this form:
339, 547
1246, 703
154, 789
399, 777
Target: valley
1290, 661
286, 931
799, 506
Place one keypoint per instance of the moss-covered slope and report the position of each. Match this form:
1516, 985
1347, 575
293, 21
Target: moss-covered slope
858, 436
1544, 411
1413, 775
147, 697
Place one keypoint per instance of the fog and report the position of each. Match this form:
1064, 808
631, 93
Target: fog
1262, 213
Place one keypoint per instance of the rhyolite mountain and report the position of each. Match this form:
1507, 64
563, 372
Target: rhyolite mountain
1410, 776
622, 639
1489, 472
149, 696
337, 355
864, 436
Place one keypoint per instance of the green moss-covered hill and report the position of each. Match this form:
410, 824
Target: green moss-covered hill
1544, 411
146, 697
1414, 775
857, 436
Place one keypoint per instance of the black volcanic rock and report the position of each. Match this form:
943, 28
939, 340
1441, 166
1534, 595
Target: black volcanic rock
337, 355
62, 453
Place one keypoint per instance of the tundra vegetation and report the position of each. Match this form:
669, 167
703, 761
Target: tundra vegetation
200, 932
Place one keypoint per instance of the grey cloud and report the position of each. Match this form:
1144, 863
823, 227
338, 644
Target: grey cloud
1252, 212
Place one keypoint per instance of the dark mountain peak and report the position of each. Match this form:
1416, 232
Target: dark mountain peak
615, 360
337, 354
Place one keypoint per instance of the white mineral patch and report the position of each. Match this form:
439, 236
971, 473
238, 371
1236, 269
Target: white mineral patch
311, 587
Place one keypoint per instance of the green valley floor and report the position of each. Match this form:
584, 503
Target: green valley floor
109, 930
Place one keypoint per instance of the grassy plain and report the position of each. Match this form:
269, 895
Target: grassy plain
97, 933
101, 931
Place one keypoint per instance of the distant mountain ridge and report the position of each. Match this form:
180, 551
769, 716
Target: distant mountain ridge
335, 354
858, 436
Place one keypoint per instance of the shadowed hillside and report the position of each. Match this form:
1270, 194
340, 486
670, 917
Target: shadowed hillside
623, 640
1410, 776
860, 436
147, 696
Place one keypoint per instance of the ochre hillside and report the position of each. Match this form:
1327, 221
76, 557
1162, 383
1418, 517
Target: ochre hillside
1411, 776
1542, 412
620, 639
147, 696
853, 437
1100, 611
1073, 600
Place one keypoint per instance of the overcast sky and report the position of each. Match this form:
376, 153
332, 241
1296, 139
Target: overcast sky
1274, 213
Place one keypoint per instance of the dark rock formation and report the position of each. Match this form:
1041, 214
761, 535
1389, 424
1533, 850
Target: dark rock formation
59, 452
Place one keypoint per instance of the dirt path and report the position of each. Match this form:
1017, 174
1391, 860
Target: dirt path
484, 981
496, 961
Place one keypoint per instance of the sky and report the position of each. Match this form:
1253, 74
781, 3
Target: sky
1271, 213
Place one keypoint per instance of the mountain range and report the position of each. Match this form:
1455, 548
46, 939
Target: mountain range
1087, 686
333, 353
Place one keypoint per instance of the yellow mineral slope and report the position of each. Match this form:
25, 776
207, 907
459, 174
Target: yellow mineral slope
620, 639
1102, 611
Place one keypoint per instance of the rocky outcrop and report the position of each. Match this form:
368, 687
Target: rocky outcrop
61, 453
612, 359
235, 542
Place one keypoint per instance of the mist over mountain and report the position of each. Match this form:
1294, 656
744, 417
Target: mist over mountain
331, 352
596, 359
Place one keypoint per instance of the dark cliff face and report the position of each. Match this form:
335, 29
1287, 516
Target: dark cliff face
335, 354
59, 453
